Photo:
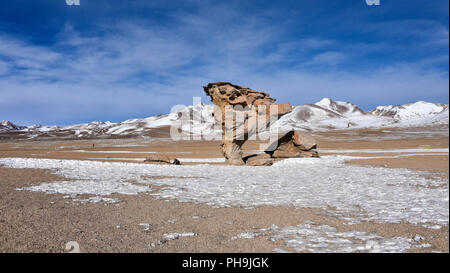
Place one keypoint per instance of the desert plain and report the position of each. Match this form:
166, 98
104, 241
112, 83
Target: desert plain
239, 208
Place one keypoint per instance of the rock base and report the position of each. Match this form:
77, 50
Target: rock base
259, 160
291, 145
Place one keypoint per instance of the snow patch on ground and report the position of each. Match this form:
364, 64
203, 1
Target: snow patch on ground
96, 187
97, 200
172, 236
246, 235
176, 235
358, 193
147, 227
318, 238
280, 250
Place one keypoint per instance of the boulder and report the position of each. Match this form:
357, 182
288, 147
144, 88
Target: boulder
242, 112
161, 159
293, 144
304, 141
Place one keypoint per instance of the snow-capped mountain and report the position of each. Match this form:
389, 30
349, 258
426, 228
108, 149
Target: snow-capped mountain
321, 116
193, 119
420, 109
6, 126
343, 108
414, 113
328, 115
197, 119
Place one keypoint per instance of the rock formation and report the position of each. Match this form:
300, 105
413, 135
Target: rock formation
293, 144
242, 112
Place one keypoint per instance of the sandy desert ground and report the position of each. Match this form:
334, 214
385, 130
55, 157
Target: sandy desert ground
371, 191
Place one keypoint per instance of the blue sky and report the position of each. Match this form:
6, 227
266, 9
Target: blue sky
115, 60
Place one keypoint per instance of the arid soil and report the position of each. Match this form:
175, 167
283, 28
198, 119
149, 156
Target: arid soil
39, 222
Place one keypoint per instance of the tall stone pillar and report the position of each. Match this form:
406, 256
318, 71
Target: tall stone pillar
242, 112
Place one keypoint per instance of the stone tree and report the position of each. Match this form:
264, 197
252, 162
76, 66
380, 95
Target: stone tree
242, 112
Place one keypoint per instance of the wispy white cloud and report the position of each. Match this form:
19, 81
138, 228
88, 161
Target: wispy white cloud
17, 49
136, 69
330, 58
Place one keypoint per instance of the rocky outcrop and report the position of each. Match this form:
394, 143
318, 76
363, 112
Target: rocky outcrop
293, 144
304, 141
242, 112
161, 159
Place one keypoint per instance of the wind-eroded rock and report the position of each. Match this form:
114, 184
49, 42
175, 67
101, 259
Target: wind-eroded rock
242, 112
304, 141
293, 144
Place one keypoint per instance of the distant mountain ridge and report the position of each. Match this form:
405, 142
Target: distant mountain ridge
9, 126
331, 115
326, 114
420, 109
